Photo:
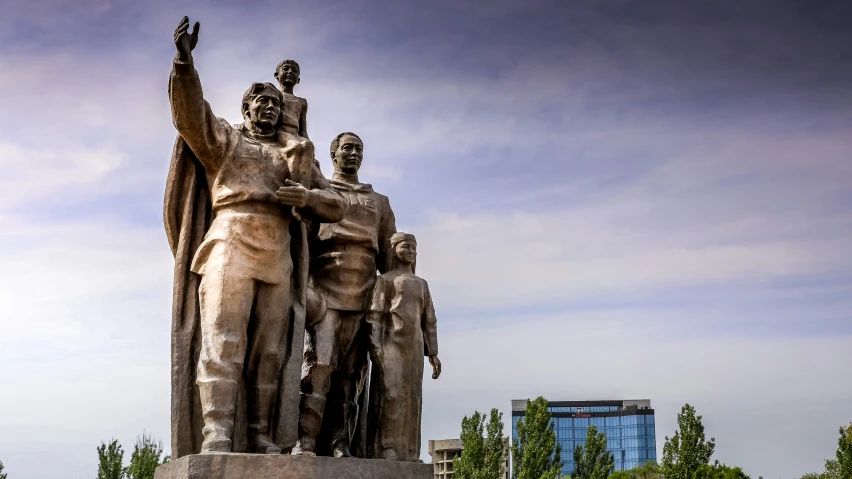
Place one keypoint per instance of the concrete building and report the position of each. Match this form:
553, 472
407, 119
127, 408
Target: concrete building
627, 424
443, 451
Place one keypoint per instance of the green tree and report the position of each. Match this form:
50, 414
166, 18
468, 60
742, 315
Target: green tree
686, 451
719, 471
495, 446
592, 459
145, 458
536, 454
648, 470
110, 458
2, 474
844, 453
482, 456
832, 471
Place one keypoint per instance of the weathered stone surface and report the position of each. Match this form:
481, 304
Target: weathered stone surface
272, 345
256, 466
237, 201
403, 328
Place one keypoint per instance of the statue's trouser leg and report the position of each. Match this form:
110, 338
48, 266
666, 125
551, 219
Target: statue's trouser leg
226, 303
320, 345
265, 355
343, 391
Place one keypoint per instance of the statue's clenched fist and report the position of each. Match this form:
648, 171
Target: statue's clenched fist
184, 40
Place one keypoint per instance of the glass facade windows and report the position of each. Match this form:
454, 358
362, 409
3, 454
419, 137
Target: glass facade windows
630, 435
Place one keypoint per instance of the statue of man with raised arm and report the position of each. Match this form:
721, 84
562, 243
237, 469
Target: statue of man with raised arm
234, 199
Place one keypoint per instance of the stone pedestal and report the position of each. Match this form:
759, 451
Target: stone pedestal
257, 466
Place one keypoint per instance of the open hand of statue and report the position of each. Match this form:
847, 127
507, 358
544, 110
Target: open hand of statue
436, 366
184, 40
293, 194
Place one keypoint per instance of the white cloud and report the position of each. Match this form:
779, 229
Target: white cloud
716, 207
66, 174
75, 286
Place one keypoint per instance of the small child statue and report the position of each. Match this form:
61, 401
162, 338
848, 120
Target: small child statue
294, 109
403, 329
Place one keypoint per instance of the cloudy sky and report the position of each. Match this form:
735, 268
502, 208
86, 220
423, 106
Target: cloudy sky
613, 199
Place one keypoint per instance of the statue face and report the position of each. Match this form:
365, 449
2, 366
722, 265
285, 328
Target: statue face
406, 251
264, 109
288, 74
349, 154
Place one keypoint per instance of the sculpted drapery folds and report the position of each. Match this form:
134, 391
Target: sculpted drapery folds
240, 266
345, 257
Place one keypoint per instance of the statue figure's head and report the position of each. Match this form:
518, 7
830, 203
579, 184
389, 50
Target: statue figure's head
262, 106
347, 152
287, 73
404, 247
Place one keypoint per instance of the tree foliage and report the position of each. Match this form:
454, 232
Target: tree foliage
687, 450
592, 459
648, 470
719, 471
143, 462
2, 474
832, 471
483, 455
841, 466
844, 453
535, 453
110, 458
145, 458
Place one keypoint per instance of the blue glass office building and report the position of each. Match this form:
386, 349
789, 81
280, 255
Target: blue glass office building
628, 425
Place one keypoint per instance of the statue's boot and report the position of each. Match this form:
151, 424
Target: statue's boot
310, 421
389, 454
342, 412
341, 449
217, 406
261, 399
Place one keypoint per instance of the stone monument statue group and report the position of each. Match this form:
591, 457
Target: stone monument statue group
298, 323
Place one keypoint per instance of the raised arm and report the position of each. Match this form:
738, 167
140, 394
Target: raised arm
205, 134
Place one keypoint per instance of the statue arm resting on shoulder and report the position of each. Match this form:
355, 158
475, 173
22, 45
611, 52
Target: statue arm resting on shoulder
325, 203
321, 201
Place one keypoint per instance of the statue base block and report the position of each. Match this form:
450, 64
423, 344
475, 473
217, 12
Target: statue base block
259, 466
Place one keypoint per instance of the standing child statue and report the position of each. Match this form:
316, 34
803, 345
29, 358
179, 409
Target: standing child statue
403, 329
294, 109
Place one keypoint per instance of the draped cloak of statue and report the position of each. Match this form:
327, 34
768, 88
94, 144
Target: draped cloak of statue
188, 215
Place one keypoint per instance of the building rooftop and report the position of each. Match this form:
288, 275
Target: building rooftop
521, 404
